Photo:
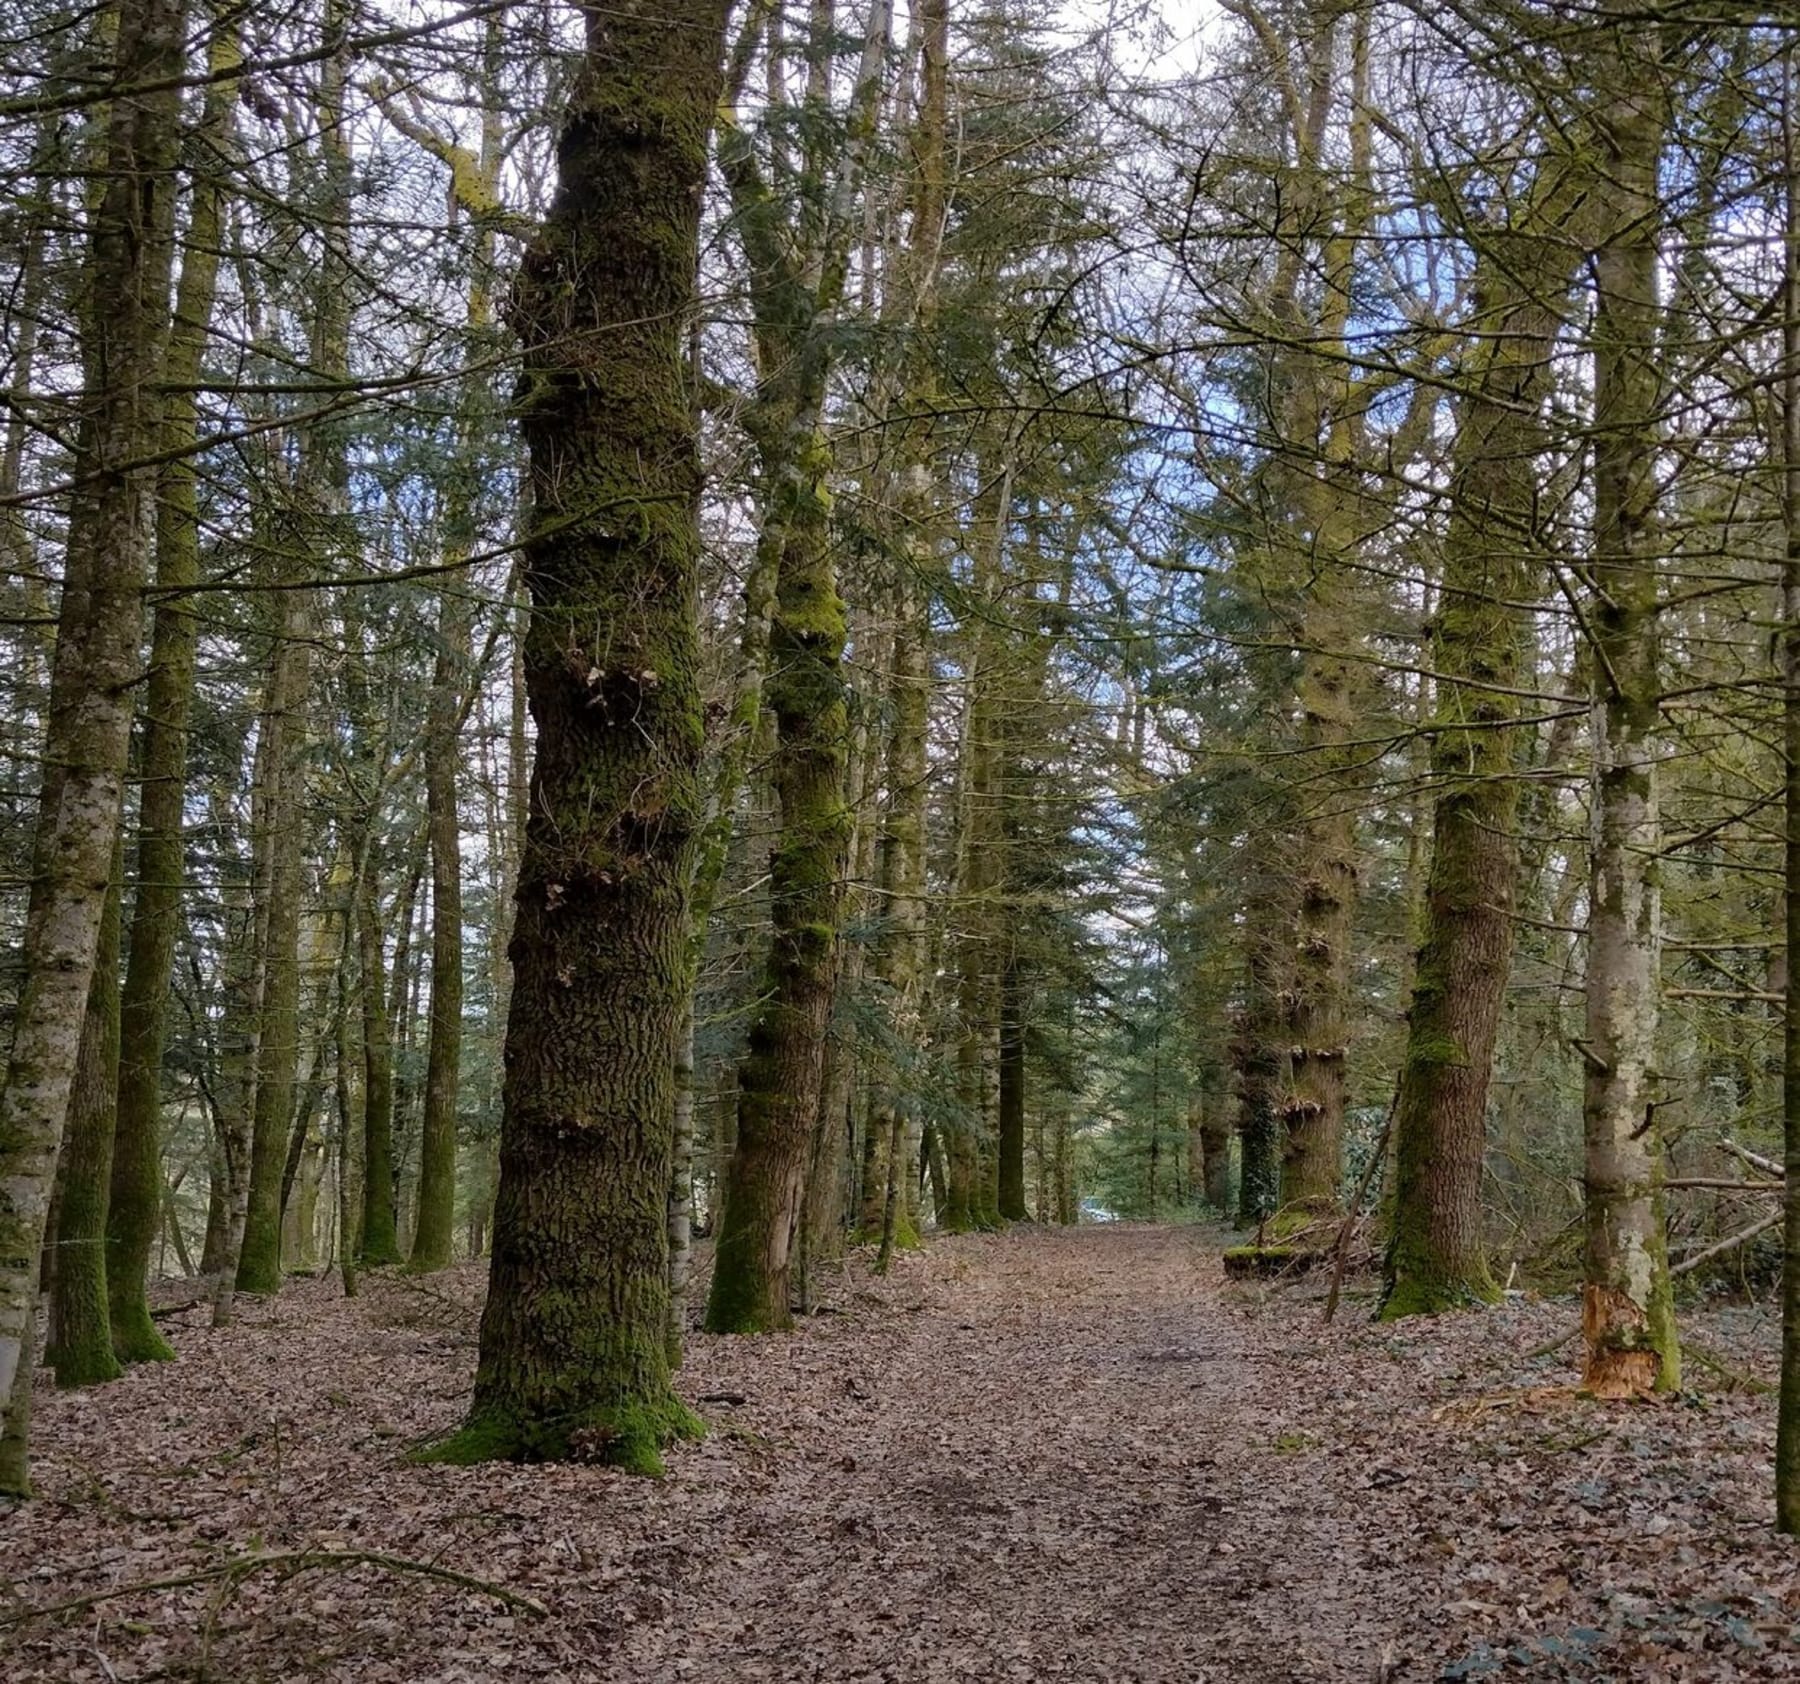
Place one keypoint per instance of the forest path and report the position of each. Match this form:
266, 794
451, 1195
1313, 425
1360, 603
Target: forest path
1064, 1454
1067, 1458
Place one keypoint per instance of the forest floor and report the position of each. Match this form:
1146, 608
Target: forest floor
1044, 1455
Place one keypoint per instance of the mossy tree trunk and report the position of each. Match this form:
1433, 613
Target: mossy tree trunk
134, 1214
780, 1080
1787, 1428
1318, 419
798, 293
1628, 1318
1481, 654
574, 1355
96, 664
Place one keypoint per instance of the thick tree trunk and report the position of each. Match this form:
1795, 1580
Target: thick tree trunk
1480, 649
95, 669
574, 1354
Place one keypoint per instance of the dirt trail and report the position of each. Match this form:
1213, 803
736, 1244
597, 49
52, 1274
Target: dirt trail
1061, 1455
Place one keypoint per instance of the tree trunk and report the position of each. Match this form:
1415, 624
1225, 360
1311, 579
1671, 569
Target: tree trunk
783, 1068
574, 1354
741, 730
1012, 1094
1258, 1050
83, 1352
380, 1237
1481, 654
1628, 1317
1787, 1427
258, 1262
96, 666
134, 1214
1215, 1148
435, 1226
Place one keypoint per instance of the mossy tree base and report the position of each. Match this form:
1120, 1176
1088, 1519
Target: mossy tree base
630, 1436
87, 1363
136, 1338
906, 1237
1417, 1296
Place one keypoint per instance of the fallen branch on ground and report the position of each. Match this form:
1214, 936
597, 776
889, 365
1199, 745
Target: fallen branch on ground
162, 1312
298, 1561
1731, 1376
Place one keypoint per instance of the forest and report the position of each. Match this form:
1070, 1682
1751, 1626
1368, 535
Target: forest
899, 840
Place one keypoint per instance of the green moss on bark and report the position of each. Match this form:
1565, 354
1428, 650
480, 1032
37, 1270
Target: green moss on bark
630, 1436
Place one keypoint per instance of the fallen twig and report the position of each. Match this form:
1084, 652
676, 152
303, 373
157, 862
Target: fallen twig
299, 1561
1731, 1376
162, 1312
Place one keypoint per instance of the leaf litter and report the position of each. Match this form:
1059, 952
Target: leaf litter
1072, 1455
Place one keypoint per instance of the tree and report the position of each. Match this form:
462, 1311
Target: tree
98, 630
134, 1216
1628, 1315
1481, 657
799, 288
574, 1359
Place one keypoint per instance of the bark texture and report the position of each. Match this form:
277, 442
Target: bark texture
574, 1358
